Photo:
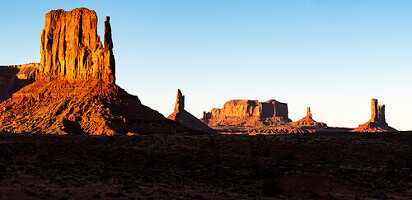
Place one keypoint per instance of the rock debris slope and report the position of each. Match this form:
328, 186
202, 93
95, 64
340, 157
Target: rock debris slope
308, 121
75, 90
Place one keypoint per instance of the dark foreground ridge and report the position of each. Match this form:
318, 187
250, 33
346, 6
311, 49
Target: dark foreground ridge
299, 166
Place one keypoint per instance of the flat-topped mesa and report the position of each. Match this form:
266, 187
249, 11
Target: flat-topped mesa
377, 123
71, 49
248, 113
180, 101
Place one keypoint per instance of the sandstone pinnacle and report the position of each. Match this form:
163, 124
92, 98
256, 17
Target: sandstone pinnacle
377, 123
185, 118
180, 101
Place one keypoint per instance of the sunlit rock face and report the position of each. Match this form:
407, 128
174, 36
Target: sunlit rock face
248, 113
71, 49
377, 123
75, 90
15, 77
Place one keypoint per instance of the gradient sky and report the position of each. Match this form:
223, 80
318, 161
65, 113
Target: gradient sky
331, 55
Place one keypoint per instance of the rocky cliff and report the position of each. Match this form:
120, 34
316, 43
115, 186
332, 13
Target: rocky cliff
248, 113
15, 77
185, 118
71, 49
377, 123
74, 91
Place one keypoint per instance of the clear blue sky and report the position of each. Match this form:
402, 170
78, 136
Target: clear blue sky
331, 55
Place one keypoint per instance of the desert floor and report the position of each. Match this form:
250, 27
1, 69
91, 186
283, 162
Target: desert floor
302, 166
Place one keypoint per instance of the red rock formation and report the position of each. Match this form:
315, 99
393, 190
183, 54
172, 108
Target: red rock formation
74, 91
71, 49
185, 118
308, 121
377, 123
248, 113
15, 77
180, 102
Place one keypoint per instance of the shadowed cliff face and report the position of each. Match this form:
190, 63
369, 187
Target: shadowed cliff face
15, 77
71, 49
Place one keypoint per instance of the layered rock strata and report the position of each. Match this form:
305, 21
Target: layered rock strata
75, 90
185, 118
377, 123
15, 77
248, 113
71, 49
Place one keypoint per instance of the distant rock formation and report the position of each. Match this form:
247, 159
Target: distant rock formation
308, 121
75, 91
71, 49
15, 77
377, 123
248, 113
185, 118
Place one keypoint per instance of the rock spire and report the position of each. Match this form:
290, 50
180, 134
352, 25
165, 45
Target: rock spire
185, 118
180, 101
377, 123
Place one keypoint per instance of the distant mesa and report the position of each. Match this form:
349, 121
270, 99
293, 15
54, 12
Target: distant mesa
308, 121
15, 77
377, 123
75, 91
248, 113
185, 118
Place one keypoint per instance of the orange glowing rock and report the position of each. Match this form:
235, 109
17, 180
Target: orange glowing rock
377, 123
248, 113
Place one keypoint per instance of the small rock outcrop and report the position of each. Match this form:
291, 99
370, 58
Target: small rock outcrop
308, 121
377, 123
71, 49
75, 90
248, 113
15, 77
185, 118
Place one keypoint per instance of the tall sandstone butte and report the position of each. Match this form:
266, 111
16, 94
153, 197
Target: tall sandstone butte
248, 113
185, 118
377, 123
71, 49
75, 90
